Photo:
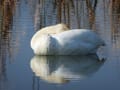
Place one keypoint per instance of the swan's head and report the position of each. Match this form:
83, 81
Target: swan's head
44, 44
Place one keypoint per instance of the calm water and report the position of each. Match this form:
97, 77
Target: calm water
20, 69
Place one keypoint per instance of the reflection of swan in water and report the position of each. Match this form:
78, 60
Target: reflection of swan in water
61, 69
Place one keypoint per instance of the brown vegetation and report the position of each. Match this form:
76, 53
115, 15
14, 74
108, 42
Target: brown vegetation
6, 16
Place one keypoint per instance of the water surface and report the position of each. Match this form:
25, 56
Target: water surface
20, 69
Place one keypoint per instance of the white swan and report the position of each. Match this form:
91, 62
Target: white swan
72, 42
61, 69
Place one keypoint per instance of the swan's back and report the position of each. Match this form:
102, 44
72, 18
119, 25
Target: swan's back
78, 41
82, 35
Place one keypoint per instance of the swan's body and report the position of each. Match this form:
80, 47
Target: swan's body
72, 42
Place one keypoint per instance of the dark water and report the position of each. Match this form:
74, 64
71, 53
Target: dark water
21, 70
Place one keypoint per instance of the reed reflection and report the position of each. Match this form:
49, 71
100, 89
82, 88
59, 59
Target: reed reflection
6, 16
115, 22
75, 13
62, 69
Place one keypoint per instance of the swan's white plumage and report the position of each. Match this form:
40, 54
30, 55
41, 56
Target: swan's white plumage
72, 42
